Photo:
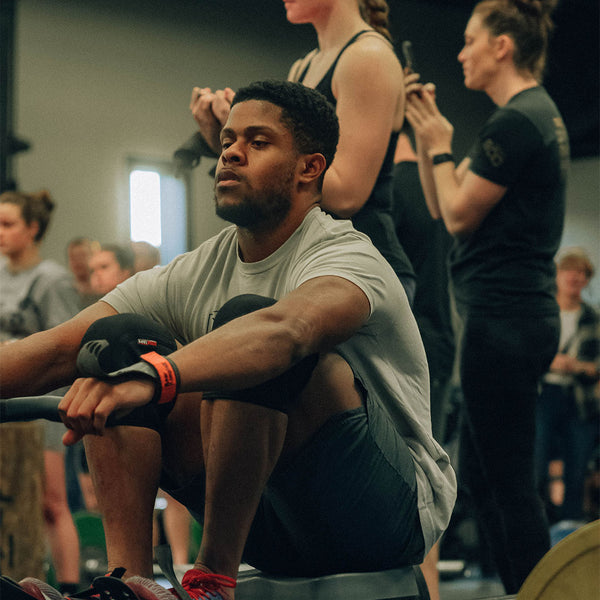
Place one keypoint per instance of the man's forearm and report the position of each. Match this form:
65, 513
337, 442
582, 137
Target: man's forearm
236, 355
33, 366
45, 361
261, 345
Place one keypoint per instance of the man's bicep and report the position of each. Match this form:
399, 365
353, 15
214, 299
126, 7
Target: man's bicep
332, 307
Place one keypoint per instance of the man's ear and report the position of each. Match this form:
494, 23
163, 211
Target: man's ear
311, 166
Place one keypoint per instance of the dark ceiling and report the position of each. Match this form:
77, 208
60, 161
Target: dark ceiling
573, 71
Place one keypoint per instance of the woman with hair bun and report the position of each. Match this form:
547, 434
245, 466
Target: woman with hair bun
356, 69
35, 295
504, 205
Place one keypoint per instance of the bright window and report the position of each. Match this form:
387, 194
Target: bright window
158, 207
144, 205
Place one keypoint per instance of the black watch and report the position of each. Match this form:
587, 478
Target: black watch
438, 159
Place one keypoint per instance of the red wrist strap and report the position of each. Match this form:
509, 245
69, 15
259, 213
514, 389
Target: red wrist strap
167, 376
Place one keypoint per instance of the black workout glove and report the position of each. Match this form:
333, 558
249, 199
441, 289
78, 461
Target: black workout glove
112, 345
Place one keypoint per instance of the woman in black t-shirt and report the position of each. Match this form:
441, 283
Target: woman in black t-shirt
504, 205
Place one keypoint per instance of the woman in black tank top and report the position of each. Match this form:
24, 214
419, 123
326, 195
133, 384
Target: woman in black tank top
355, 67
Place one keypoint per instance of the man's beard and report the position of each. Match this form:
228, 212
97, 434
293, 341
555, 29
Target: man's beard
262, 209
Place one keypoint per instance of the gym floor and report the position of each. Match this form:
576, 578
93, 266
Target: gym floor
462, 588
470, 588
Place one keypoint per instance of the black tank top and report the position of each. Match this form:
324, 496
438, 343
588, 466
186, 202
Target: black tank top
374, 218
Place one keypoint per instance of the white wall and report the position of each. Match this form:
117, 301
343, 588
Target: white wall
97, 81
582, 222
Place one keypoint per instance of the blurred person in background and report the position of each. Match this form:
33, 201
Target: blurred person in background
504, 204
111, 265
79, 252
146, 256
37, 294
568, 406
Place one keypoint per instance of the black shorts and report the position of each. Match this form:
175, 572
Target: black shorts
346, 502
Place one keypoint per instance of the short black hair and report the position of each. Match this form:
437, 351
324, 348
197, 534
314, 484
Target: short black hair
306, 113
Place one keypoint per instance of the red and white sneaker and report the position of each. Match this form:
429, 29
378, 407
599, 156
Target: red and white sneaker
108, 587
39, 589
148, 589
198, 585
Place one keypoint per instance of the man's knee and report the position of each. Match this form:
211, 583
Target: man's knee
277, 393
331, 390
239, 306
149, 416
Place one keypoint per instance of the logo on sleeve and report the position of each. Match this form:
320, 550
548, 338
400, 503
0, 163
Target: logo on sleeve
494, 152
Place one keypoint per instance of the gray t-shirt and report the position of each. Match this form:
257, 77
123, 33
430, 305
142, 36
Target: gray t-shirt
386, 354
35, 299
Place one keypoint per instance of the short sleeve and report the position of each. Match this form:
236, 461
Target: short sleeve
505, 146
144, 293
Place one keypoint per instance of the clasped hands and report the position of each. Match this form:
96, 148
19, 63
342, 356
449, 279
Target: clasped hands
211, 110
89, 402
432, 130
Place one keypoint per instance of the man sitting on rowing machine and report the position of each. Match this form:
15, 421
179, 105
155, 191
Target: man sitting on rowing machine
293, 421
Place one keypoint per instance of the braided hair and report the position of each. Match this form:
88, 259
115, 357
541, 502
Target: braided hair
376, 13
